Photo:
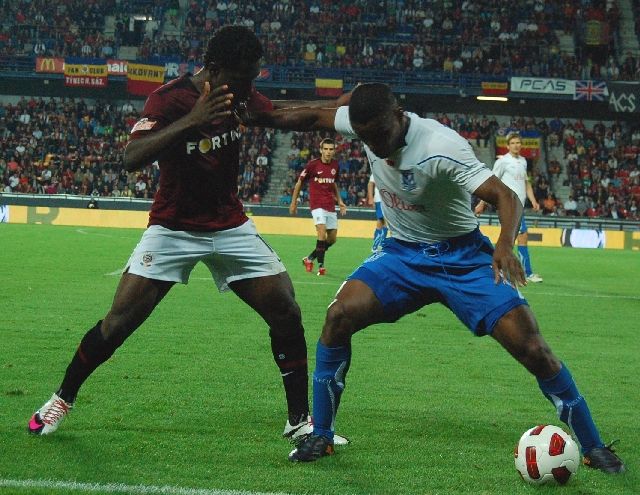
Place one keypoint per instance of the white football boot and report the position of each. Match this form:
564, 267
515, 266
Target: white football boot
47, 419
305, 427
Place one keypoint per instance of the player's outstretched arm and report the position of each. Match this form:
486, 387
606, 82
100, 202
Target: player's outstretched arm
342, 100
505, 264
293, 119
212, 105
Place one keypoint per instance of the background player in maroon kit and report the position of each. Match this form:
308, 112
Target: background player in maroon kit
321, 174
196, 215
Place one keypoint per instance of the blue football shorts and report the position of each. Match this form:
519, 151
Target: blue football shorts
523, 226
379, 215
405, 276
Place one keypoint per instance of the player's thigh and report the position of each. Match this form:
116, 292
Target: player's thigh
354, 308
135, 299
323, 220
321, 231
272, 297
240, 254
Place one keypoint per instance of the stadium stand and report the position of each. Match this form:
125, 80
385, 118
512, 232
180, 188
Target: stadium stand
68, 146
542, 38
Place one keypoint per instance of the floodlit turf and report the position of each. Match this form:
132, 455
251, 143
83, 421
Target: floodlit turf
193, 399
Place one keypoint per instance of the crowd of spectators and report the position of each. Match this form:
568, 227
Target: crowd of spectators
454, 36
68, 146
602, 168
256, 148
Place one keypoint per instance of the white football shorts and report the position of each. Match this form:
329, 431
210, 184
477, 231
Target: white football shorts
233, 254
324, 217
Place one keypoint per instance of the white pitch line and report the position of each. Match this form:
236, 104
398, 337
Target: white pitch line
65, 486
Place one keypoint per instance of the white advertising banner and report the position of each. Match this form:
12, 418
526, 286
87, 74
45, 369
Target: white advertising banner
543, 85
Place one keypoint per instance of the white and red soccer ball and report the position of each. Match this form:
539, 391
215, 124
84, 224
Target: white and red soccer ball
546, 454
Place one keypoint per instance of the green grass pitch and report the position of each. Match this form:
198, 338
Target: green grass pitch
193, 399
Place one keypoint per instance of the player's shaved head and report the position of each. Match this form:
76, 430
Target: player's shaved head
370, 101
232, 47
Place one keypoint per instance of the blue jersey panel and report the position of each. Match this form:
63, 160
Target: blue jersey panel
406, 276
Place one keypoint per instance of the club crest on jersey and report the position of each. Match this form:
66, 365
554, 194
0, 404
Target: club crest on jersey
408, 181
147, 258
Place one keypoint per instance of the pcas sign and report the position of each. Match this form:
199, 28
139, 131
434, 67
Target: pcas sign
624, 97
542, 85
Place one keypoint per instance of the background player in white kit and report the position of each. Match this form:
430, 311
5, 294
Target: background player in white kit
511, 169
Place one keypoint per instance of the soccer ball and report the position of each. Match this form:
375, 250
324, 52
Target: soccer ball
546, 454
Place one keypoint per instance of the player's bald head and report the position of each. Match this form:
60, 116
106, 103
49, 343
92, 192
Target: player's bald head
370, 101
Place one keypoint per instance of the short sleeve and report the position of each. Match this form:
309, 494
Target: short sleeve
305, 172
152, 117
342, 122
467, 171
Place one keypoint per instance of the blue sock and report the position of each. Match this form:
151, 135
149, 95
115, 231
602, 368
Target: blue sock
385, 231
332, 364
523, 251
572, 408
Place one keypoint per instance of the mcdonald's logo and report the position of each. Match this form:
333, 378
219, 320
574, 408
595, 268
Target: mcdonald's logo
50, 65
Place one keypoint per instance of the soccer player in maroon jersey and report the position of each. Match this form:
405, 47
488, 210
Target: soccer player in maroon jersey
190, 127
321, 174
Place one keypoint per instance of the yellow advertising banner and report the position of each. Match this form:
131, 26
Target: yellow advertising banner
89, 73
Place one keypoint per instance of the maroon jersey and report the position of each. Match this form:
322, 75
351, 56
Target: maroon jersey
321, 177
199, 174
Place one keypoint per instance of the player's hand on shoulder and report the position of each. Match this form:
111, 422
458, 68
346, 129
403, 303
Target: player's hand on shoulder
506, 267
213, 104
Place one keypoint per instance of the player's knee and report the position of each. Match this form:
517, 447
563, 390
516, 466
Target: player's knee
539, 358
338, 326
116, 329
285, 316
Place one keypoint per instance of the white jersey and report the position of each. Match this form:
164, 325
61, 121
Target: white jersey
512, 171
376, 192
425, 186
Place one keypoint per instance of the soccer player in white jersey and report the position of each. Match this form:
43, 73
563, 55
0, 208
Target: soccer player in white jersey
511, 168
426, 174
